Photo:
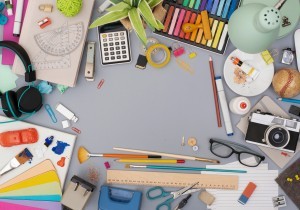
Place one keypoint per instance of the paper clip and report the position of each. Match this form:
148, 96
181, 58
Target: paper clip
50, 113
76, 130
100, 84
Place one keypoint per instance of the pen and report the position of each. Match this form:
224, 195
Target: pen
150, 161
290, 100
18, 18
9, 6
224, 106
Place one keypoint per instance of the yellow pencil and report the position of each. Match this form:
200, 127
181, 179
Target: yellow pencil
162, 161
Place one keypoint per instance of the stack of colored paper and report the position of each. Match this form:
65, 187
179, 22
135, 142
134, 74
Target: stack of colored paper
37, 188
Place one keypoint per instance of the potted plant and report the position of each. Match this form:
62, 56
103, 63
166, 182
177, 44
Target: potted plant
138, 12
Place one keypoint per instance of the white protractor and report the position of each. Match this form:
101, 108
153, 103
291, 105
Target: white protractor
297, 46
60, 41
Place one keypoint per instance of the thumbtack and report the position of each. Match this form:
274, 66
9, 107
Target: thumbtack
289, 179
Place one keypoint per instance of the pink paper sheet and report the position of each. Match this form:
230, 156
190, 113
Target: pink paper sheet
10, 206
8, 56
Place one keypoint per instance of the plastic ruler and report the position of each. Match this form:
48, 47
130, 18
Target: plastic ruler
209, 181
297, 45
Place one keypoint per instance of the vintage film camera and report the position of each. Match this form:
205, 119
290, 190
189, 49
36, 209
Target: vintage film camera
267, 130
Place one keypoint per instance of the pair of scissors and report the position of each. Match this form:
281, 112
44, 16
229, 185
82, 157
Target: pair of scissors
158, 192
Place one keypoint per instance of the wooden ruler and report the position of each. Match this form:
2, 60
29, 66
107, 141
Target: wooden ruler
163, 179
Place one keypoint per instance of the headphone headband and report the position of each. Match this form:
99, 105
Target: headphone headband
22, 54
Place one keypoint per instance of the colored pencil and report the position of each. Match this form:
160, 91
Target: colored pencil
150, 161
213, 82
290, 100
179, 168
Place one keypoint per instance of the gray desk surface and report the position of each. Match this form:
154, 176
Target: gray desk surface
149, 109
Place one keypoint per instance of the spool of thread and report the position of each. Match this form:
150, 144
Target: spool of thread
69, 8
240, 105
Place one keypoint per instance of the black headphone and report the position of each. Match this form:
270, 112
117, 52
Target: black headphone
27, 99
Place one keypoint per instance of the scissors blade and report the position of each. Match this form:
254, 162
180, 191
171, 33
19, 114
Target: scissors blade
191, 191
183, 190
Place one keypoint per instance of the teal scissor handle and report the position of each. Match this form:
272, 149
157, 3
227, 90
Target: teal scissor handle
166, 203
159, 193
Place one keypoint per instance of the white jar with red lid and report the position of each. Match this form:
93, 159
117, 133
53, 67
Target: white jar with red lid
240, 105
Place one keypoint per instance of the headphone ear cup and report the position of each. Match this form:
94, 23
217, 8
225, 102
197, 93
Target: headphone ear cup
29, 99
10, 105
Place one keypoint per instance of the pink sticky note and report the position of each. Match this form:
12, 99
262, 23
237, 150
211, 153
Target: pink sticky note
8, 56
10, 206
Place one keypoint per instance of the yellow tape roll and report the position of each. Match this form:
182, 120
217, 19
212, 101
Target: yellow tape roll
166, 59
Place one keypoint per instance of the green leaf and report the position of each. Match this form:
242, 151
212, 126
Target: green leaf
115, 1
109, 18
137, 24
128, 2
160, 25
118, 7
150, 26
147, 14
153, 3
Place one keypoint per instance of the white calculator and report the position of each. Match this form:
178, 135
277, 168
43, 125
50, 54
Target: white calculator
114, 44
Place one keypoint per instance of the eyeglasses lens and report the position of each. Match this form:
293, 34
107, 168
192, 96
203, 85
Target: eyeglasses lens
221, 150
249, 159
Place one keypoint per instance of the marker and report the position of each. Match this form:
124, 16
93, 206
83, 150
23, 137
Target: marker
9, 7
224, 106
18, 18
290, 100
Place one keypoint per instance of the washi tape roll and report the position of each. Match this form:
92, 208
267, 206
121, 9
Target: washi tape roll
164, 61
150, 41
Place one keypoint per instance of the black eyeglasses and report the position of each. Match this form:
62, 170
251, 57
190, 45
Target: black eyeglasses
225, 149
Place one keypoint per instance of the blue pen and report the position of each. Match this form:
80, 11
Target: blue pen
232, 8
220, 8
215, 7
226, 8
209, 5
290, 100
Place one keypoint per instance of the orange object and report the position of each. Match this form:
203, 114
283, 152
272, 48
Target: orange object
17, 137
61, 162
44, 23
194, 33
186, 20
192, 21
206, 25
190, 27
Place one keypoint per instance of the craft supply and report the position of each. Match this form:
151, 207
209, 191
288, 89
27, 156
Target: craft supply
266, 55
195, 148
84, 155
215, 92
240, 105
90, 62
206, 197
247, 193
69, 8
65, 124
192, 141
77, 193
62, 88
100, 83
287, 56
192, 55
46, 7
224, 106
164, 179
292, 190
61, 162
151, 161
294, 110
104, 6
9, 7
297, 47
182, 141
141, 62
45, 87
107, 165
40, 151
186, 157
3, 18
183, 202
18, 137
189, 27
66, 112
158, 192
213, 32
177, 50
285, 21
7, 206
279, 201
18, 160
18, 18
118, 198
35, 204
44, 22
50, 113
93, 174
43, 134
114, 44
163, 62
289, 100
76, 130
185, 66
180, 168
246, 68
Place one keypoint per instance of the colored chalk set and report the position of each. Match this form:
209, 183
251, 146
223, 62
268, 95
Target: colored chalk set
209, 19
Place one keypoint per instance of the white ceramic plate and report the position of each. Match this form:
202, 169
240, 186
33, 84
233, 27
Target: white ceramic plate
257, 86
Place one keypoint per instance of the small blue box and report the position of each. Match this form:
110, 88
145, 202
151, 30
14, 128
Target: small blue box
112, 198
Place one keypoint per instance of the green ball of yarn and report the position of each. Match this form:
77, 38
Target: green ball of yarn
69, 8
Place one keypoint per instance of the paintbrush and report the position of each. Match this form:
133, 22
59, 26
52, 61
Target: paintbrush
84, 155
179, 168
18, 160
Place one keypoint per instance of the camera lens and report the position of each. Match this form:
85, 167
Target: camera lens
277, 136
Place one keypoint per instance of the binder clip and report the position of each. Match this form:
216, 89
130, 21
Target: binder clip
279, 201
77, 194
177, 50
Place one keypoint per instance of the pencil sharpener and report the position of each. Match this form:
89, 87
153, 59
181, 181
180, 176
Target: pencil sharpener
287, 56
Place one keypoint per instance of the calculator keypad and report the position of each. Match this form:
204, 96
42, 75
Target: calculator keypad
114, 47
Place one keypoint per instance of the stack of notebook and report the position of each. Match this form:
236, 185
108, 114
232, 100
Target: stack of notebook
37, 188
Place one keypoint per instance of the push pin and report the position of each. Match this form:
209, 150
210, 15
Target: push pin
297, 177
46, 7
285, 21
289, 179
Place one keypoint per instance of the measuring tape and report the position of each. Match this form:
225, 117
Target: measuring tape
209, 181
